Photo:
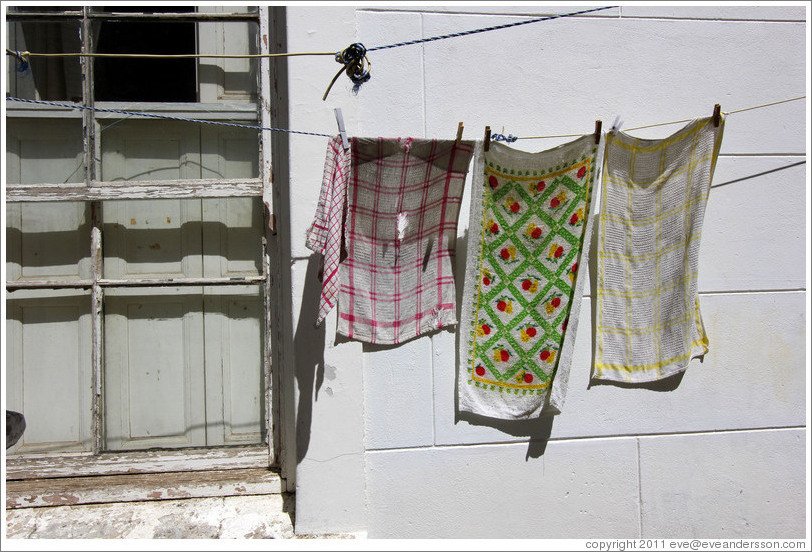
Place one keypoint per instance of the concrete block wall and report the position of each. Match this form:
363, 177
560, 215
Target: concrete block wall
720, 455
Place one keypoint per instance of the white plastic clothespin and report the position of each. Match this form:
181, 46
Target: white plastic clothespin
617, 124
341, 130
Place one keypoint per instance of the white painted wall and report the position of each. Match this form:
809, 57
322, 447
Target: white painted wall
721, 455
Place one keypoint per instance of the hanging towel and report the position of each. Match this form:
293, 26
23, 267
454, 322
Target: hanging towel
523, 285
403, 203
653, 200
326, 231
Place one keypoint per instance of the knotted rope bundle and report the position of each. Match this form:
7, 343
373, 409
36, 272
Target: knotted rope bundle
355, 64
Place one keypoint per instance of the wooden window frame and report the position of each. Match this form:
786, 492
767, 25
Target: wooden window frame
95, 191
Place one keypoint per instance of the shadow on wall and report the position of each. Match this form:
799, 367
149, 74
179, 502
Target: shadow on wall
309, 356
538, 430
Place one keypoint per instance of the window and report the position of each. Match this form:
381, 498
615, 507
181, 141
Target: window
138, 289
145, 79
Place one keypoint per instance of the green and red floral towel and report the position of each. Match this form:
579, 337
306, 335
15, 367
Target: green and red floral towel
522, 290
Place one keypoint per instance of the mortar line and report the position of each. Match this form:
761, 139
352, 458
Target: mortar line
735, 292
433, 400
586, 438
423, 73
753, 291
639, 492
762, 155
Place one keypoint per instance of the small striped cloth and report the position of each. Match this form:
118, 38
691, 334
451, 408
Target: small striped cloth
326, 231
403, 202
653, 200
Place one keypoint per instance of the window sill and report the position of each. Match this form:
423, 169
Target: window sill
141, 462
245, 112
107, 489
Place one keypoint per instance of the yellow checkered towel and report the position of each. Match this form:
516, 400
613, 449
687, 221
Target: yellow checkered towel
653, 199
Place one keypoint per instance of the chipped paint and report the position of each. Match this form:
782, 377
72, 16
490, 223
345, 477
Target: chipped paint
227, 517
144, 189
189, 460
140, 487
60, 499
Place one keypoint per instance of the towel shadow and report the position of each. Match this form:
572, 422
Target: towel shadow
664, 385
309, 358
538, 430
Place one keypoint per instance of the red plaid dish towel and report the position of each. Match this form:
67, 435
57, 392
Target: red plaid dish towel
403, 202
325, 233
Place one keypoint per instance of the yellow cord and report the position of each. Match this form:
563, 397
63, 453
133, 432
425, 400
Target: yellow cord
669, 122
766, 105
24, 55
27, 54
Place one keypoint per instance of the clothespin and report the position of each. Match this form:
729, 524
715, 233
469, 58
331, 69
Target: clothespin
617, 124
459, 135
487, 138
598, 125
717, 114
341, 130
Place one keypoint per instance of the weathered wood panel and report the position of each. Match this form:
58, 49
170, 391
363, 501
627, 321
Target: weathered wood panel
43, 467
233, 517
39, 16
157, 282
242, 113
35, 493
144, 189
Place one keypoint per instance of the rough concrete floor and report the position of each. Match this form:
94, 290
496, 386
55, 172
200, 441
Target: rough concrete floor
236, 517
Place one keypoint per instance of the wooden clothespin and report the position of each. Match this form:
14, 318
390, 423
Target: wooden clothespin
487, 138
341, 130
598, 125
459, 135
717, 114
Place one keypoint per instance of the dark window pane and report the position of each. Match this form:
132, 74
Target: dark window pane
145, 79
45, 78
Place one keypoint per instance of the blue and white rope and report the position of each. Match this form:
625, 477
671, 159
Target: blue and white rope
502, 138
159, 116
495, 136
486, 29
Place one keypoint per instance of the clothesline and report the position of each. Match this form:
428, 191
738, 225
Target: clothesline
274, 129
22, 55
669, 122
353, 59
160, 116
